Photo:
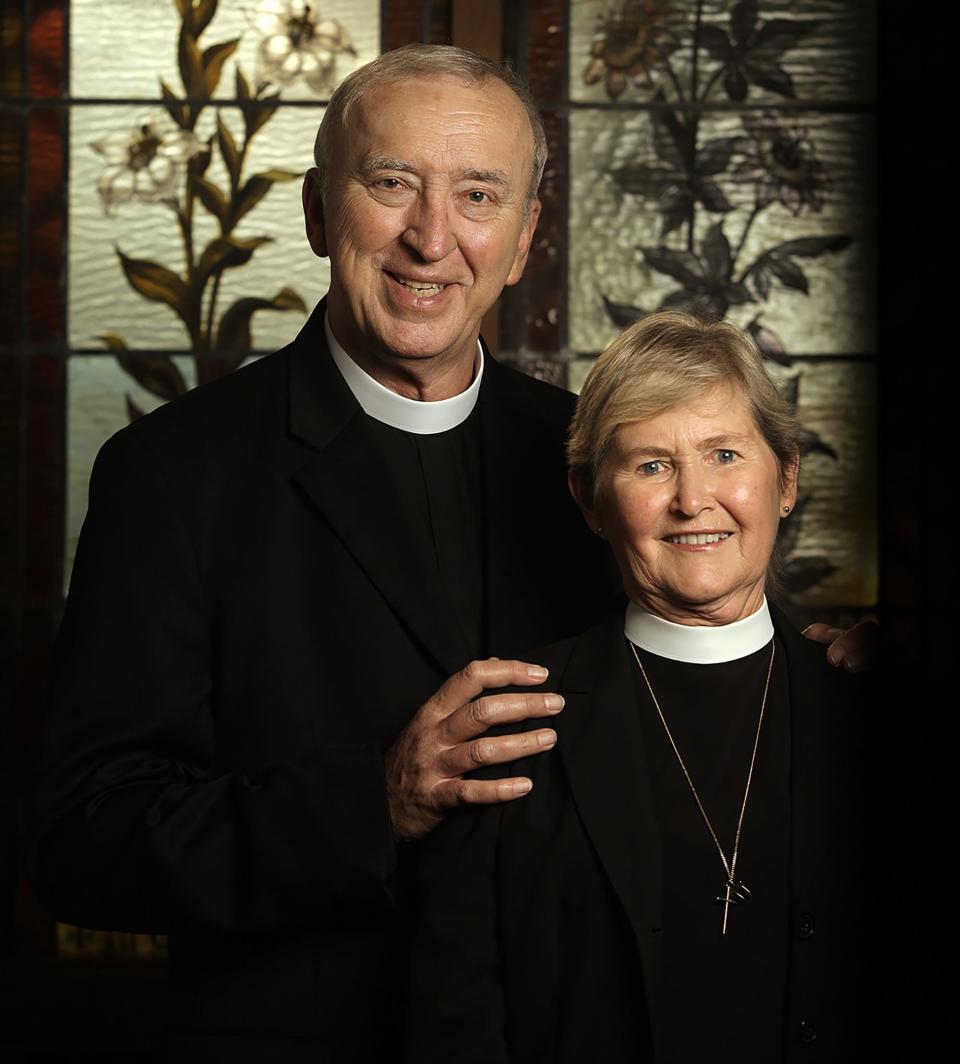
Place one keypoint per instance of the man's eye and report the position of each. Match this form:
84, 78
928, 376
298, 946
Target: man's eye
725, 457
477, 196
391, 184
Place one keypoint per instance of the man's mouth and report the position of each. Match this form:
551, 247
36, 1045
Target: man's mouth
696, 539
420, 288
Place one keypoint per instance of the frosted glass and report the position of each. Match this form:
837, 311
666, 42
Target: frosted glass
834, 62
608, 224
96, 409
100, 298
121, 48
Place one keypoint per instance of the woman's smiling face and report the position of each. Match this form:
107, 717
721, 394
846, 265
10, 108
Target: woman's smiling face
690, 501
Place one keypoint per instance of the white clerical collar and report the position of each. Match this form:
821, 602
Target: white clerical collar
698, 644
411, 415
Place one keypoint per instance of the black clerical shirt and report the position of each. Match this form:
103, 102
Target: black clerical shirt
737, 980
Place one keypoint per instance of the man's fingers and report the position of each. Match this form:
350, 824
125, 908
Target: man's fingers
855, 648
479, 676
822, 633
476, 717
495, 750
454, 793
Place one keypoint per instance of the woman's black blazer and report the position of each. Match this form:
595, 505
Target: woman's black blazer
539, 938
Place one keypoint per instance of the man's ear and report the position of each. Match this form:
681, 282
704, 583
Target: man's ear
524, 243
583, 492
313, 212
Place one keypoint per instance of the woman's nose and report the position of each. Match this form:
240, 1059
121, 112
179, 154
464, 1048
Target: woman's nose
429, 231
694, 491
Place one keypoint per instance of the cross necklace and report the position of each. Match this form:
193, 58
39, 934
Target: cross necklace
735, 892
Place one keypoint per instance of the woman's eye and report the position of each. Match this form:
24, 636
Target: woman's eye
650, 469
725, 457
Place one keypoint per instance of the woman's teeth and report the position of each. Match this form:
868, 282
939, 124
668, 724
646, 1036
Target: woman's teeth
698, 538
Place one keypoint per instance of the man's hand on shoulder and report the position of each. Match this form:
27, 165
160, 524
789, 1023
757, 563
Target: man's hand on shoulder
855, 649
446, 740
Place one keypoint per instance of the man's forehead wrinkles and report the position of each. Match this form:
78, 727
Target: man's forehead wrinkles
372, 163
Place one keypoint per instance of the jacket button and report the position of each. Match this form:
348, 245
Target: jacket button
808, 1031
805, 927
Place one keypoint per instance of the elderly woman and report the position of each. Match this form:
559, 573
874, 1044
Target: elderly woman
677, 885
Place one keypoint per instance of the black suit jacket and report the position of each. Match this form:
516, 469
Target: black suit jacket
541, 926
251, 621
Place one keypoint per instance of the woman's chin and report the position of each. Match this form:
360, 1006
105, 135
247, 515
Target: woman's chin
700, 603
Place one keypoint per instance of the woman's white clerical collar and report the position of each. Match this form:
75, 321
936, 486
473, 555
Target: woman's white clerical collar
410, 415
698, 644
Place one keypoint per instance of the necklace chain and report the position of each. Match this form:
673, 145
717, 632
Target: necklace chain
729, 866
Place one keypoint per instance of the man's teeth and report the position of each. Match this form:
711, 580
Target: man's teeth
421, 288
696, 539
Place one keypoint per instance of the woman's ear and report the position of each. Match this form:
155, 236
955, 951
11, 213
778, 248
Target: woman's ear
582, 489
788, 493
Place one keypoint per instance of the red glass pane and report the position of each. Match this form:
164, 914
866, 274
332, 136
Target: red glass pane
46, 218
47, 49
11, 50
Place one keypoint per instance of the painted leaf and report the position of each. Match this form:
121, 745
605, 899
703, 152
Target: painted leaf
226, 252
737, 293
801, 574
158, 374
197, 164
714, 156
809, 247
716, 252
716, 41
243, 86
811, 443
735, 84
256, 116
157, 283
234, 331
713, 198
113, 342
228, 149
681, 265
620, 314
770, 76
743, 18
178, 111
202, 15
675, 208
788, 273
212, 198
211, 63
191, 68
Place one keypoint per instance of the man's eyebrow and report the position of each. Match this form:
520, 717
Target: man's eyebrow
374, 163
490, 177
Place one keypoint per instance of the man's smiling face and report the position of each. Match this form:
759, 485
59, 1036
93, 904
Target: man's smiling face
423, 217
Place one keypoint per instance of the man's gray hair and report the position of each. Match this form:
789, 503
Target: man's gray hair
426, 61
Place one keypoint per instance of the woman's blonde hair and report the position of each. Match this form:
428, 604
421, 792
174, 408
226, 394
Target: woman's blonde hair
665, 359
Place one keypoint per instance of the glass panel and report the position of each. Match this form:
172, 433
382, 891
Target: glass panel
821, 49
99, 393
78, 943
104, 300
771, 179
122, 48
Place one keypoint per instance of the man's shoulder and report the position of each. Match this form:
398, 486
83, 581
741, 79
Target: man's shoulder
550, 403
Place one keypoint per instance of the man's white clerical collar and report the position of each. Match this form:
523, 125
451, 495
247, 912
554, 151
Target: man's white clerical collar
698, 644
411, 415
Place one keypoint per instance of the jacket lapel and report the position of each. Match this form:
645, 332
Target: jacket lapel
343, 479
601, 744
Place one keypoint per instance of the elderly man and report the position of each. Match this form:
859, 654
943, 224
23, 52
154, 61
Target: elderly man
278, 570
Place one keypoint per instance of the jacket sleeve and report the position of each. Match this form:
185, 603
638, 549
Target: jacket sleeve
456, 1008
135, 825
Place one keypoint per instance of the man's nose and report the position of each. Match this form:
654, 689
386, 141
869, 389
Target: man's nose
429, 231
694, 491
